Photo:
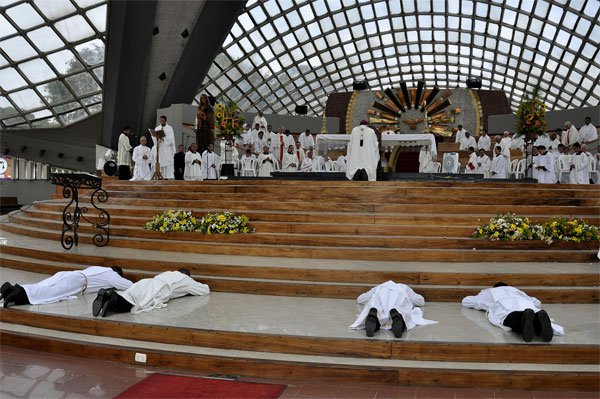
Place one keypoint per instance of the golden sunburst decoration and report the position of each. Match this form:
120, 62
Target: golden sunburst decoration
393, 107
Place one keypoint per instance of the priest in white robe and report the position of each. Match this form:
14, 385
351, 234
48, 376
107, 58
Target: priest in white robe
570, 136
484, 141
285, 139
340, 164
142, 156
484, 164
148, 294
260, 120
505, 143
467, 142
426, 160
306, 140
193, 164
124, 154
300, 152
290, 162
545, 167
499, 167
392, 306
553, 144
471, 166
64, 286
460, 134
363, 152
266, 163
588, 132
307, 163
211, 164
580, 164
167, 149
259, 142
511, 309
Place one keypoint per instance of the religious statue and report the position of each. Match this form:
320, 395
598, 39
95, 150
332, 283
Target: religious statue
204, 124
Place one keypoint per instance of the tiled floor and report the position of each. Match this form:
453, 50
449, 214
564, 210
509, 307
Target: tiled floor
30, 374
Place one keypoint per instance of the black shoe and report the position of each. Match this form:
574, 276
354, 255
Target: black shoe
527, 325
544, 321
17, 295
100, 301
110, 303
398, 324
372, 322
5, 289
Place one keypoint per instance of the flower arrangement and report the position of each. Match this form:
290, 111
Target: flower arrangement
224, 223
510, 227
530, 117
172, 221
575, 230
228, 120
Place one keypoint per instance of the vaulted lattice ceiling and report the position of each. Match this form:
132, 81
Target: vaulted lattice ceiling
51, 61
282, 53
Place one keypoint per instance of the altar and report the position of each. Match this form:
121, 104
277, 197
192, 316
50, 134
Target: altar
336, 142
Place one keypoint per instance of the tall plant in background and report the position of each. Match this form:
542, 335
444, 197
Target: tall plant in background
228, 121
530, 117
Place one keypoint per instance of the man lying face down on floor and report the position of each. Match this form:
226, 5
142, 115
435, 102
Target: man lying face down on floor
510, 308
148, 294
390, 305
64, 285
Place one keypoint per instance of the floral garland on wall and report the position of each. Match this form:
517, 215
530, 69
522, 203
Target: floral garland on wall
212, 223
228, 120
530, 117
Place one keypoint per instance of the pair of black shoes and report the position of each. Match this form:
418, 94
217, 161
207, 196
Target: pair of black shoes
13, 294
536, 324
104, 300
372, 324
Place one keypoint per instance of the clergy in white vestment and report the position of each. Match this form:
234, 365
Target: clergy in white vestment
511, 309
499, 167
266, 163
517, 143
167, 149
390, 306
505, 143
193, 163
588, 132
142, 156
545, 167
259, 142
300, 152
570, 136
340, 163
553, 143
260, 120
290, 161
460, 134
124, 154
467, 142
306, 140
271, 140
64, 285
484, 164
307, 163
580, 164
426, 160
543, 140
363, 152
285, 141
211, 164
149, 293
484, 142
471, 166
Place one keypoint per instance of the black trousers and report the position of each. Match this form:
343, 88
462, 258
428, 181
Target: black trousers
361, 174
121, 306
124, 172
513, 320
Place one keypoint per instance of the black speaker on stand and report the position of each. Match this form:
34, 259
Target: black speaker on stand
301, 109
360, 85
474, 83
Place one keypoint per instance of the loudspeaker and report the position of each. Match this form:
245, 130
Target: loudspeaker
110, 168
360, 85
474, 83
212, 100
301, 109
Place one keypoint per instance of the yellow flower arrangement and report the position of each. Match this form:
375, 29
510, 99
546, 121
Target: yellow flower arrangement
228, 120
212, 223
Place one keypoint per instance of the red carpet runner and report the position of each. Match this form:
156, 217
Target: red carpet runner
175, 386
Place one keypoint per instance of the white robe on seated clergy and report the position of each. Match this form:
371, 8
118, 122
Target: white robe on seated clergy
499, 302
484, 165
154, 293
484, 143
306, 165
499, 168
207, 170
143, 167
580, 174
388, 296
290, 162
471, 166
67, 285
266, 164
192, 169
426, 161
340, 164
547, 176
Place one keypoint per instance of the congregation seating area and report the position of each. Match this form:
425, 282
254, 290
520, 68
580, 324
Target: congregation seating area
282, 298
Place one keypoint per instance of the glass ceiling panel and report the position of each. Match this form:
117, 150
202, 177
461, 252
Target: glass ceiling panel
443, 41
33, 37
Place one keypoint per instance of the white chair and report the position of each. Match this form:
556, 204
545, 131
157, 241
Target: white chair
564, 169
593, 169
437, 167
520, 169
248, 166
513, 168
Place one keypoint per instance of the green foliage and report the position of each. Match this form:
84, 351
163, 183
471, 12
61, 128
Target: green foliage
575, 230
530, 117
510, 227
228, 120
212, 223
